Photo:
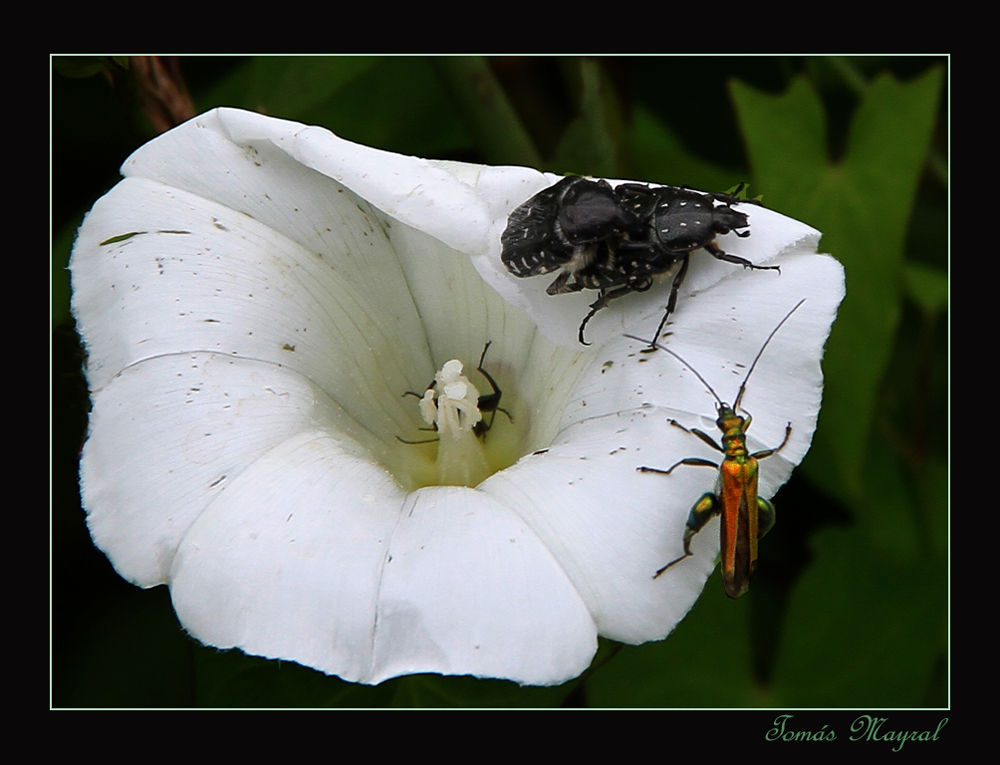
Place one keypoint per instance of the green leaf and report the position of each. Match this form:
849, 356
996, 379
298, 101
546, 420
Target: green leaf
589, 145
289, 86
862, 631
660, 157
486, 111
926, 286
396, 103
705, 662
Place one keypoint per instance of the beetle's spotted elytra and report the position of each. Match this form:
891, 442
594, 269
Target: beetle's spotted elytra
616, 240
746, 516
574, 225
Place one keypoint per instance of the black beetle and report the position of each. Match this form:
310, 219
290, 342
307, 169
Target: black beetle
680, 220
617, 240
575, 225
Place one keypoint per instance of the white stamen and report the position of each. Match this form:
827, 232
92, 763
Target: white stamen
452, 404
456, 406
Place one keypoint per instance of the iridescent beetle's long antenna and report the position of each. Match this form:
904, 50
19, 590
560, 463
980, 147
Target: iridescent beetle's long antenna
743, 386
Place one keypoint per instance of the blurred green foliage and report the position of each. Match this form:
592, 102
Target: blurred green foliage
849, 608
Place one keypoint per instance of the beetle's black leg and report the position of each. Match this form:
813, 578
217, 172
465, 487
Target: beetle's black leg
700, 434
491, 401
428, 441
704, 510
558, 286
605, 297
672, 301
768, 452
718, 253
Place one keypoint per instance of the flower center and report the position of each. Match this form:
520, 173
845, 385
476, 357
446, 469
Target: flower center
452, 403
452, 406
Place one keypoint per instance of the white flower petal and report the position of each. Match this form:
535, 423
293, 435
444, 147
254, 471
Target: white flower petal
609, 526
470, 589
287, 561
427, 195
168, 436
199, 276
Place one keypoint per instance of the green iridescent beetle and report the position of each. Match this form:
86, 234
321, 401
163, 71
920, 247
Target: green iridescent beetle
746, 517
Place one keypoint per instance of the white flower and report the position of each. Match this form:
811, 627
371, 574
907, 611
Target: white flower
257, 297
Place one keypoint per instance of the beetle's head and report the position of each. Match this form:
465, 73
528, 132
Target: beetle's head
727, 219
